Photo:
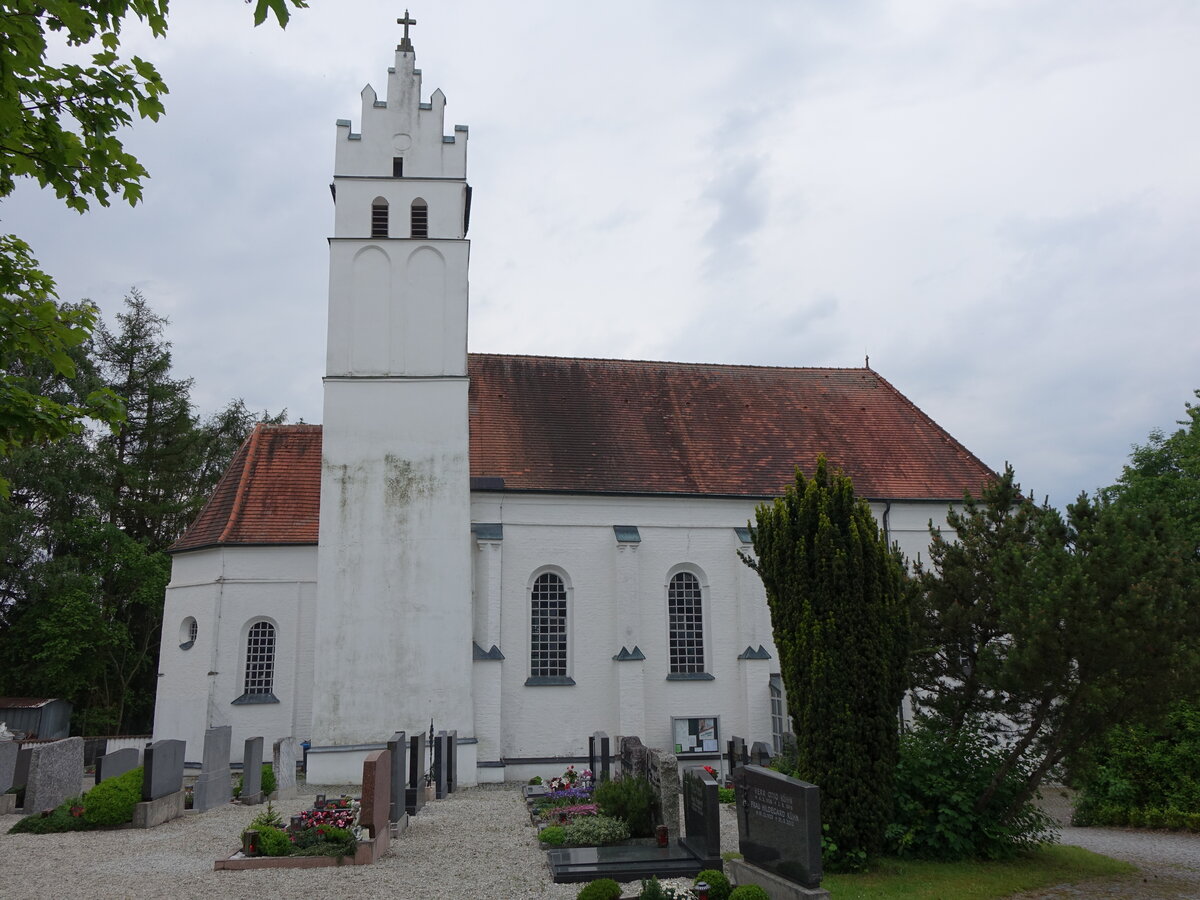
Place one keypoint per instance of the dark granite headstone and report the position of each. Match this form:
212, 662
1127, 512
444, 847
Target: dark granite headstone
110, 765
376, 792
8, 763
21, 769
214, 787
163, 773
445, 762
55, 773
398, 751
252, 764
599, 753
736, 754
414, 792
701, 812
760, 754
779, 824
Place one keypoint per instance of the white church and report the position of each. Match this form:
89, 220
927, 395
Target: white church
522, 549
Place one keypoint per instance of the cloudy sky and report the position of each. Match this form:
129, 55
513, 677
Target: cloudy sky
997, 200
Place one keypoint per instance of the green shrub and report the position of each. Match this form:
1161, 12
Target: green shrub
325, 840
111, 802
629, 799
274, 842
718, 885
552, 834
652, 890
749, 892
600, 889
937, 781
268, 779
60, 819
594, 831
726, 795
268, 818
536, 779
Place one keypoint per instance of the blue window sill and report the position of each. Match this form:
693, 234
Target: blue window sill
690, 676
549, 680
251, 699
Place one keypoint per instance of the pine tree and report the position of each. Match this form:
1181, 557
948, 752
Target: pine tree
839, 598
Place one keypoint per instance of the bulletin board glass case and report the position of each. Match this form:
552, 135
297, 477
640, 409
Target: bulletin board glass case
696, 736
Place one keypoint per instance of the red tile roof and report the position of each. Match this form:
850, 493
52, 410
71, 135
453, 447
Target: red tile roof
620, 426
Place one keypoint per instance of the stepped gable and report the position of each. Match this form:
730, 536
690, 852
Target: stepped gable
606, 425
620, 426
270, 494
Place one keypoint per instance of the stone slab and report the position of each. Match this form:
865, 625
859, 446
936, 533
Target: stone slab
55, 773
663, 774
414, 793
285, 753
214, 787
150, 813
8, 804
570, 865
252, 763
163, 773
741, 872
445, 763
8, 763
398, 757
779, 824
736, 754
701, 812
368, 851
110, 765
600, 756
375, 812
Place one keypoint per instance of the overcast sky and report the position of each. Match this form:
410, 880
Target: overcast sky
997, 201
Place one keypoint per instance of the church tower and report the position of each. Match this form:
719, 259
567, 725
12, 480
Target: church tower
393, 616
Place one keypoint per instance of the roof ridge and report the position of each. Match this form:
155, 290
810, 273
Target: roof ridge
667, 362
239, 499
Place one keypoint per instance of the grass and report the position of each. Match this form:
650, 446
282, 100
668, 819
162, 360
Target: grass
895, 879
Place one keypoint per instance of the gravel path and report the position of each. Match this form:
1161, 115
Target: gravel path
477, 843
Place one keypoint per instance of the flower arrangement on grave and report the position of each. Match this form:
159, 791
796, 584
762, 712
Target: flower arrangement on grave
330, 831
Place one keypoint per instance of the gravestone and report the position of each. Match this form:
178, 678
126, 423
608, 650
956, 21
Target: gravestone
445, 763
662, 771
693, 852
414, 793
701, 813
398, 750
110, 765
8, 763
736, 754
633, 757
283, 760
55, 773
779, 824
760, 754
599, 752
214, 787
163, 772
374, 813
252, 764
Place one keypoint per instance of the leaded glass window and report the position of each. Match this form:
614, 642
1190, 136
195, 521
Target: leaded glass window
548, 627
685, 624
260, 659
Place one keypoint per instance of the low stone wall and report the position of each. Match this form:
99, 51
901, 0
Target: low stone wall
155, 812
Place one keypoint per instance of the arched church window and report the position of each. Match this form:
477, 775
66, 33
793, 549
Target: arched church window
260, 659
685, 624
548, 630
420, 218
379, 217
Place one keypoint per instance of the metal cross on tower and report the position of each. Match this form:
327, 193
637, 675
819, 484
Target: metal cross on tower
405, 43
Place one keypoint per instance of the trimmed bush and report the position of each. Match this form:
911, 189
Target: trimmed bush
59, 820
273, 842
552, 835
594, 831
718, 885
111, 802
629, 799
652, 890
726, 795
268, 779
600, 889
749, 892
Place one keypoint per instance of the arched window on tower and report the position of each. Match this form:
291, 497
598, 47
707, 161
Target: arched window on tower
420, 218
379, 217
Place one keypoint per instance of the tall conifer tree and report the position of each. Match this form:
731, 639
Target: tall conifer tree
839, 601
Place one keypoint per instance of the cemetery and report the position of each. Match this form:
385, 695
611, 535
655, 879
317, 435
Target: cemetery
628, 815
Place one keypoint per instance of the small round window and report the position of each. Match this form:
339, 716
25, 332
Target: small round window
188, 631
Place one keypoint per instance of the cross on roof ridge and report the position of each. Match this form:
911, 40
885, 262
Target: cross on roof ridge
405, 43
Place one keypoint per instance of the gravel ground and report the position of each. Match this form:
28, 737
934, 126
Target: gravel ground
477, 843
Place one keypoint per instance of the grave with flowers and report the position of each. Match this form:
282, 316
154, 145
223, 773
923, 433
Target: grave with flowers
335, 831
